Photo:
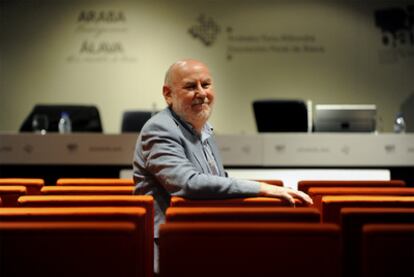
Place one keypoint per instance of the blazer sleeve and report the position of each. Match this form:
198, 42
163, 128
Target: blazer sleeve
165, 158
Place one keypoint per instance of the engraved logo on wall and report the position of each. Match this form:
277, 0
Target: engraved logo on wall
206, 30
102, 37
397, 33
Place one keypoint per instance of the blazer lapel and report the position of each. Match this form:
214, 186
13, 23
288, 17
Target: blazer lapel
198, 156
216, 154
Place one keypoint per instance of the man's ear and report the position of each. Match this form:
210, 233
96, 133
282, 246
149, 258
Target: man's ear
166, 91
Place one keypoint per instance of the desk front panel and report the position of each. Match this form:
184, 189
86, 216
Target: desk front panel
261, 150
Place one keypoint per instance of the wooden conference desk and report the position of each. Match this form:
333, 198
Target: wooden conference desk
94, 155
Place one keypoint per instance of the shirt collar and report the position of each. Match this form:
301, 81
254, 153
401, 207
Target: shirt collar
206, 132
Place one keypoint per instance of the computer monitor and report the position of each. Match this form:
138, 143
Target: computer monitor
345, 118
407, 111
281, 115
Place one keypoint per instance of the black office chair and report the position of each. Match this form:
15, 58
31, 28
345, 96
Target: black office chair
407, 110
83, 118
133, 121
281, 115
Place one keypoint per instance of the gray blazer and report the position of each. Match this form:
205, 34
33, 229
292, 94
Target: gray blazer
169, 160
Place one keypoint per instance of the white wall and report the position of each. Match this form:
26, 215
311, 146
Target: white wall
41, 59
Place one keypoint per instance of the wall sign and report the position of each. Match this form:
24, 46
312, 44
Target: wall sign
207, 31
271, 44
102, 36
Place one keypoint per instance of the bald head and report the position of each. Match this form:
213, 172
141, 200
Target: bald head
180, 67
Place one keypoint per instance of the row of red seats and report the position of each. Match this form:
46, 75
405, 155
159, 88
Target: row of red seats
312, 217
11, 188
347, 241
197, 238
191, 240
35, 184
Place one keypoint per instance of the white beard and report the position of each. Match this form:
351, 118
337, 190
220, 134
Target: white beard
196, 119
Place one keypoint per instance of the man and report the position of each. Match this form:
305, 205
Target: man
176, 153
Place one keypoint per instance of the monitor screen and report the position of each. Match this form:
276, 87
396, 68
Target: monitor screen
345, 118
276, 115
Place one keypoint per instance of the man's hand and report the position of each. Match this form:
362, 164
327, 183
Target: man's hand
284, 193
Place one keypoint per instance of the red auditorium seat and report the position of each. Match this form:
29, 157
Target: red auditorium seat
305, 185
136, 215
316, 193
352, 222
10, 194
33, 185
50, 249
249, 249
94, 182
332, 205
233, 202
144, 201
388, 250
242, 214
87, 190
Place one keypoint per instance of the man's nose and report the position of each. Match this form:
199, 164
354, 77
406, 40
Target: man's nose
201, 91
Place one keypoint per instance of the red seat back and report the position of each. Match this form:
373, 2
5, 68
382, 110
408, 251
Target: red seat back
305, 185
352, 222
232, 202
316, 193
51, 249
136, 215
332, 205
87, 190
388, 250
240, 214
249, 249
94, 182
10, 194
33, 185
